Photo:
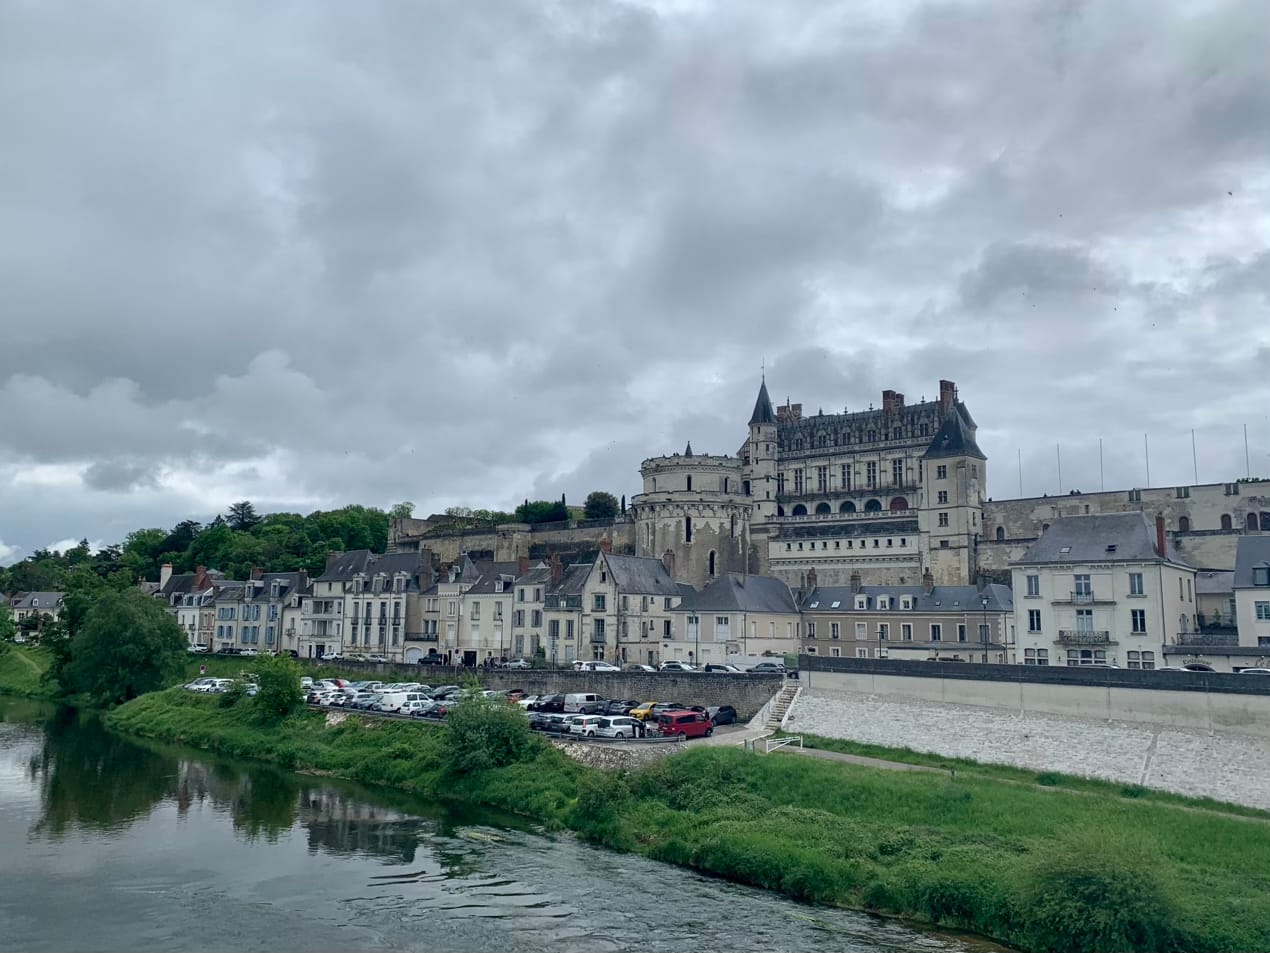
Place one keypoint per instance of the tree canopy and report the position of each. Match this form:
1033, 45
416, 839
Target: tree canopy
542, 511
600, 505
127, 645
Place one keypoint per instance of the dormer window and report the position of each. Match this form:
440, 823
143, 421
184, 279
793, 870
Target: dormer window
1261, 575
862, 602
906, 602
884, 602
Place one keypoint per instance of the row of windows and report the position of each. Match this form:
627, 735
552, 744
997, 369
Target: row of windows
897, 504
837, 544
1085, 621
883, 631
1253, 522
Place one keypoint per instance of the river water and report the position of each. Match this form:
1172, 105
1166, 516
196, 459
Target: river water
111, 844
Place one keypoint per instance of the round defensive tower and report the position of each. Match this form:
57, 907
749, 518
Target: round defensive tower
694, 511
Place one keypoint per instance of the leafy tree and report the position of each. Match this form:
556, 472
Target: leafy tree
242, 516
484, 733
600, 506
542, 511
128, 645
7, 629
279, 692
401, 511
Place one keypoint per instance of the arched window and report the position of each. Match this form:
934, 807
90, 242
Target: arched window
654, 487
823, 508
690, 481
687, 529
800, 510
847, 507
733, 525
1000, 534
873, 506
712, 564
1225, 521
898, 504
1183, 524
780, 510
1252, 521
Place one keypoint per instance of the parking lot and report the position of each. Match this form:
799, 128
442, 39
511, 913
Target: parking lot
580, 716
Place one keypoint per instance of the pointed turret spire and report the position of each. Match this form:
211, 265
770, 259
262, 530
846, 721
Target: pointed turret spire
688, 452
763, 406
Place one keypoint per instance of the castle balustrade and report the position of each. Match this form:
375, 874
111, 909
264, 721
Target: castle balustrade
1084, 637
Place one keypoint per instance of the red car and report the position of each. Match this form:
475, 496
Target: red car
684, 724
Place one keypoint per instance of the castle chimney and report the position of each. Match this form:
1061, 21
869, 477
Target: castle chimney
522, 565
892, 402
1161, 546
302, 581
165, 573
928, 582
947, 394
811, 578
668, 560
855, 583
606, 544
557, 568
200, 578
257, 573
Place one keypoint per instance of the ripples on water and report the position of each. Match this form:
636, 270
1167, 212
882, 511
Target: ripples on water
107, 844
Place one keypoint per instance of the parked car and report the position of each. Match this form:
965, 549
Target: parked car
445, 691
594, 665
617, 706
551, 703
227, 650
556, 723
642, 711
662, 707
639, 667
585, 725
332, 657
393, 701
200, 684
675, 666
768, 668
528, 702
684, 724
721, 714
431, 708
198, 648
362, 700
720, 667
248, 651
574, 701
306, 681
1254, 671
619, 726
518, 663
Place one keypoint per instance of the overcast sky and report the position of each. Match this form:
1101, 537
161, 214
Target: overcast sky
462, 253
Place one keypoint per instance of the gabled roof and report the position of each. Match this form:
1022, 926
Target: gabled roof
737, 592
39, 600
1098, 538
939, 599
953, 439
490, 573
763, 407
345, 566
641, 575
573, 581
1253, 553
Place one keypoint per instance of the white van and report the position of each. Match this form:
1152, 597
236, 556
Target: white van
394, 701
574, 702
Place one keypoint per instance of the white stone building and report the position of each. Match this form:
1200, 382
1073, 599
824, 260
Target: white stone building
1101, 589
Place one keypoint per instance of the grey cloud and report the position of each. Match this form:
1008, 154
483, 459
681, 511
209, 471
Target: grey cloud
475, 252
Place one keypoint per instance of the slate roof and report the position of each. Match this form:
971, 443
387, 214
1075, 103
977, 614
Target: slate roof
953, 439
574, 579
1099, 537
939, 599
641, 575
763, 413
345, 566
488, 573
737, 592
1217, 582
264, 587
1254, 551
38, 600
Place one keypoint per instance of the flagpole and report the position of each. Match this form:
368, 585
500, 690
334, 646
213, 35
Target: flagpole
1194, 457
1102, 483
1147, 446
1058, 450
1021, 460
1247, 462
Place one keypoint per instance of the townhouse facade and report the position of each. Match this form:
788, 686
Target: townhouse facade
738, 616
364, 603
926, 622
34, 608
1103, 589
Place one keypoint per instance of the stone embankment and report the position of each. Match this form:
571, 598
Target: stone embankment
1226, 766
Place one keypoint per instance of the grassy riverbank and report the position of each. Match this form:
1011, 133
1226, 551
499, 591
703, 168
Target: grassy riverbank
1040, 869
22, 669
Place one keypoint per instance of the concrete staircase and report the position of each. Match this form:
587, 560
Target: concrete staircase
781, 706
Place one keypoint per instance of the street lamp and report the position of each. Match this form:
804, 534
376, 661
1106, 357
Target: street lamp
984, 630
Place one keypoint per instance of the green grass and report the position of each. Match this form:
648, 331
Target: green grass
22, 669
1048, 779
1039, 868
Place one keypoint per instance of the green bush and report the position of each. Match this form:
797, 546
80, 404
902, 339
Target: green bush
1094, 893
279, 693
233, 694
483, 733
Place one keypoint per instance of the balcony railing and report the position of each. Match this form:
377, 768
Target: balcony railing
1082, 598
1207, 638
598, 638
1084, 637
421, 637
